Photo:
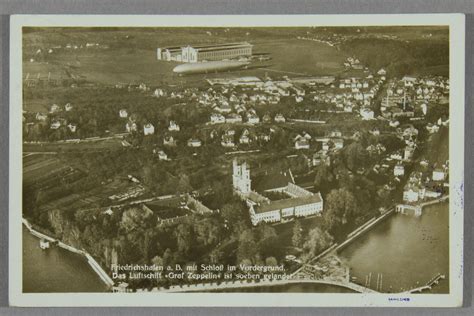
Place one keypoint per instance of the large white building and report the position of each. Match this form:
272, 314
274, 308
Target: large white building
300, 203
199, 53
276, 211
411, 194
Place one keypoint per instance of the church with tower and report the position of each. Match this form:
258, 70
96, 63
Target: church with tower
300, 202
241, 177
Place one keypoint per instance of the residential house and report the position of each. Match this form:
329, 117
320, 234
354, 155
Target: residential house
381, 72
432, 128
161, 154
131, 127
348, 108
411, 193
55, 124
217, 118
244, 138
320, 158
301, 143
408, 153
279, 118
335, 133
148, 129
41, 116
394, 123
194, 142
224, 108
158, 93
338, 143
72, 127
173, 127
366, 114
169, 141
266, 118
123, 113
438, 174
227, 141
233, 118
375, 131
54, 108
398, 170
252, 118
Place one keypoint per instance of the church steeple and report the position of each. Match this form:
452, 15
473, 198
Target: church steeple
241, 177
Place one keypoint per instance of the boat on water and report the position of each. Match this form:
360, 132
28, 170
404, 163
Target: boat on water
44, 244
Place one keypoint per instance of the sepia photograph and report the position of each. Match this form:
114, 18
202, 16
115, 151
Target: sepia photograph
257, 158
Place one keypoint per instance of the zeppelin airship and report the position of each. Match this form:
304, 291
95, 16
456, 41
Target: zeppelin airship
209, 66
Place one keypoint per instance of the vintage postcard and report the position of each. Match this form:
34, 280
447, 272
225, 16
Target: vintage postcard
236, 160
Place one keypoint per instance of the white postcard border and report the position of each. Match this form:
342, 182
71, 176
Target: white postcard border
456, 22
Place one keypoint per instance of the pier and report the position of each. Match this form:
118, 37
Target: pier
407, 208
417, 209
429, 285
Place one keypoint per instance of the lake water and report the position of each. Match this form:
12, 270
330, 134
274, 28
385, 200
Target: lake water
406, 250
56, 270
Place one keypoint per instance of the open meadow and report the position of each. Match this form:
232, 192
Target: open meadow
134, 60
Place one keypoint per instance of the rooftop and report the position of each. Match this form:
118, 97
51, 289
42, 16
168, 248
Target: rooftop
168, 208
221, 46
271, 181
286, 203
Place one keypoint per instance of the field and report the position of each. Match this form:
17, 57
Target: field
47, 171
134, 60
55, 178
298, 57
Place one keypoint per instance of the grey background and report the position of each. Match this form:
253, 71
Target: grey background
8, 7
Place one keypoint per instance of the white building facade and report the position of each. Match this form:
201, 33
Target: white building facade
241, 177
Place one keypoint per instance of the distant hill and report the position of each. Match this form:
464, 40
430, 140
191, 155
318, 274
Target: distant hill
402, 57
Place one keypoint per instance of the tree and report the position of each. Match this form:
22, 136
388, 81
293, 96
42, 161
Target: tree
297, 237
184, 184
271, 261
148, 174
341, 208
184, 237
216, 256
323, 177
265, 232
232, 213
135, 219
247, 249
158, 261
355, 155
207, 231
167, 258
318, 240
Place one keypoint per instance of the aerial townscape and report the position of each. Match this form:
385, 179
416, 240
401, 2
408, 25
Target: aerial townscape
231, 152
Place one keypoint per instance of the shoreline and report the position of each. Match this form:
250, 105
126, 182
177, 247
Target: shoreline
364, 228
217, 286
90, 260
214, 286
